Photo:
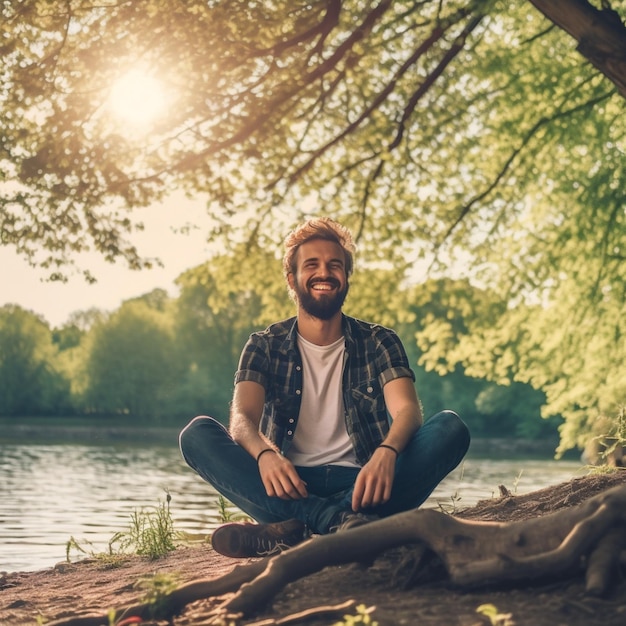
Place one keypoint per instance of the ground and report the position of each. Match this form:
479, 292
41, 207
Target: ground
88, 587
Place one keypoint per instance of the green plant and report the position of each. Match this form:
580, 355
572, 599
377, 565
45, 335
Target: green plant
362, 617
452, 508
605, 452
226, 515
494, 616
86, 548
72, 544
614, 440
455, 498
156, 590
151, 532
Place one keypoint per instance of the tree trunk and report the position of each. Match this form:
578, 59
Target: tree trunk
600, 34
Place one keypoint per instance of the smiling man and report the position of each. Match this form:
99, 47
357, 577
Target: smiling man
326, 429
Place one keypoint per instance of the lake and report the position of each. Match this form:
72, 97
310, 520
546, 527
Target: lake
52, 493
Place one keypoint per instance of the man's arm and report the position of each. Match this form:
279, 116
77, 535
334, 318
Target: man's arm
374, 482
278, 474
245, 415
405, 409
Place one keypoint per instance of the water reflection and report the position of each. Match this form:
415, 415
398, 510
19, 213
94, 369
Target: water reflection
51, 493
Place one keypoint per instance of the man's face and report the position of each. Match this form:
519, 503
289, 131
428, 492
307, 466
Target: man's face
320, 282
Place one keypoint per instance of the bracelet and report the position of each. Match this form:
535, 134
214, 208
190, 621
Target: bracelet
384, 445
262, 453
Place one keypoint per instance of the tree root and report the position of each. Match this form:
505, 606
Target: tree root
173, 602
334, 611
588, 537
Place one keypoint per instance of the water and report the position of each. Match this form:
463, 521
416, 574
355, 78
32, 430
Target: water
51, 493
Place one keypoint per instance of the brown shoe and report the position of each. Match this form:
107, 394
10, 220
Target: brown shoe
245, 540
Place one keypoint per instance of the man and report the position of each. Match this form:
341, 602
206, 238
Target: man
326, 429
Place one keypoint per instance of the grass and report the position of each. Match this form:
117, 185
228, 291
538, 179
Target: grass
226, 515
454, 498
150, 533
156, 590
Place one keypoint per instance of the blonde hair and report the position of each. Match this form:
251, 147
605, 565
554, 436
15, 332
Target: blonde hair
318, 228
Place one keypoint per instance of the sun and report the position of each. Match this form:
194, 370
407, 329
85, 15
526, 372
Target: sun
138, 99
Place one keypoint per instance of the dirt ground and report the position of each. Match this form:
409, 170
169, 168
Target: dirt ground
88, 587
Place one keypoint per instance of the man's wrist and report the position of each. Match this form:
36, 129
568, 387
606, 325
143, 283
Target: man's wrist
388, 447
260, 454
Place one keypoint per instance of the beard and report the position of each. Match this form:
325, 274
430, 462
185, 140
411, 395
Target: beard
324, 306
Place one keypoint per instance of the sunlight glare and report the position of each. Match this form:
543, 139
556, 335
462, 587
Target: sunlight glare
138, 98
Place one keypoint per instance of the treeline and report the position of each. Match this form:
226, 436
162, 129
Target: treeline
161, 359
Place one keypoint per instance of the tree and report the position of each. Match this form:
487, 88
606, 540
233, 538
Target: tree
445, 314
570, 350
354, 102
221, 302
469, 133
132, 365
514, 410
71, 334
31, 381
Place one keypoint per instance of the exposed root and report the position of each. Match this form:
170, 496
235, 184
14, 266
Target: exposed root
590, 536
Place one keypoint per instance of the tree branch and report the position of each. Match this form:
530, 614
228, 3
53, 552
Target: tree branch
526, 138
600, 34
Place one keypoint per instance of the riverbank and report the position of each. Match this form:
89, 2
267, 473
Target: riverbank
90, 587
117, 430
43, 431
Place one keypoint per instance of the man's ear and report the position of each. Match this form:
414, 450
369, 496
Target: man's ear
290, 280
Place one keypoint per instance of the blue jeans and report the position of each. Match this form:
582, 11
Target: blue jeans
430, 455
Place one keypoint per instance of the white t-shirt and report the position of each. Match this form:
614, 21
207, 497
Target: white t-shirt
321, 437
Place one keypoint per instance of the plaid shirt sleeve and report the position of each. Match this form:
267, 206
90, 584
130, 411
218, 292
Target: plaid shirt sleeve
253, 362
392, 358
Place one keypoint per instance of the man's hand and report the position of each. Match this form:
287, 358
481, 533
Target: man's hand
373, 483
280, 477
278, 474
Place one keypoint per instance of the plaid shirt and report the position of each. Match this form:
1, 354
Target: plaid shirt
374, 356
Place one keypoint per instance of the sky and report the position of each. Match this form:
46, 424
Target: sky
55, 301
135, 101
